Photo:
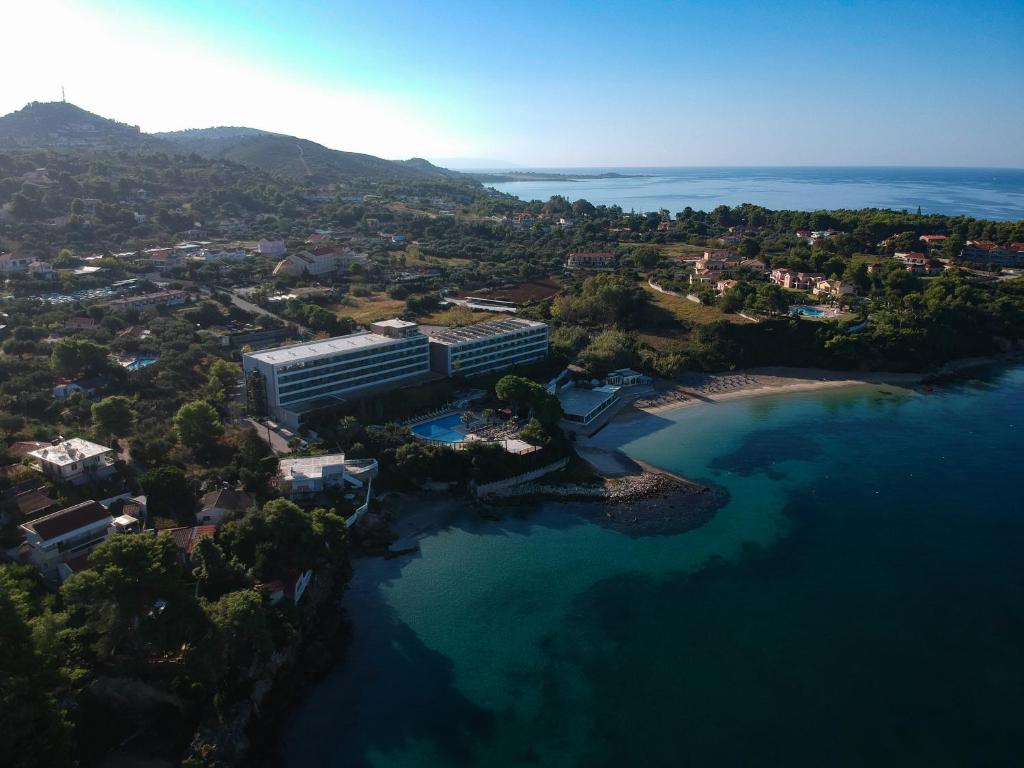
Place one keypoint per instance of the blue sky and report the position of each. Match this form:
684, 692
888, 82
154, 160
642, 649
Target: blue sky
558, 83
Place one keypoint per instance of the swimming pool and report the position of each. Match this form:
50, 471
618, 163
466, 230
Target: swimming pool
807, 311
441, 429
139, 363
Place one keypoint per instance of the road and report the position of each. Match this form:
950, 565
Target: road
248, 306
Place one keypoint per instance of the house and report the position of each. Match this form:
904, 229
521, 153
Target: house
987, 252
834, 288
215, 504
161, 258
932, 241
88, 387
754, 264
11, 264
918, 263
796, 281
147, 300
724, 285
592, 260
133, 332
664, 226
319, 261
74, 461
41, 270
309, 475
272, 248
716, 264
54, 539
24, 502
291, 588
79, 323
223, 256
186, 538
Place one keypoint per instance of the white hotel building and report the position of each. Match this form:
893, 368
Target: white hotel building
487, 346
287, 381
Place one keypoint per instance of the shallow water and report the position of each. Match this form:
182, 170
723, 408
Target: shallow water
858, 600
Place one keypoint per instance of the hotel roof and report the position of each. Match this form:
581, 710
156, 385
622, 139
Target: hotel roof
480, 331
359, 340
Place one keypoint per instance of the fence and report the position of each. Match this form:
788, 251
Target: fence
486, 488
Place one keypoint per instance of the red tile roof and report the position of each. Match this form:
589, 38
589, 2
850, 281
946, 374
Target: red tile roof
67, 520
186, 538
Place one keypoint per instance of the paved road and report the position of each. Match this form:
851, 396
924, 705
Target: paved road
277, 442
248, 306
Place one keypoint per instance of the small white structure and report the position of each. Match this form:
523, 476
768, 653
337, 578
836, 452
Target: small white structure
308, 475
74, 461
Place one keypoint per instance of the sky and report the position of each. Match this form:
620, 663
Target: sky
548, 84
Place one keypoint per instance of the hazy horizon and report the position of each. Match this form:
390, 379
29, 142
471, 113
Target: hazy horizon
734, 84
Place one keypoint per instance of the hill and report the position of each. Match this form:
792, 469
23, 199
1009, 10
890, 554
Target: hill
296, 158
57, 124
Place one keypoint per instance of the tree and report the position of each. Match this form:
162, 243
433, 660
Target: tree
198, 426
113, 416
275, 542
215, 574
534, 433
134, 594
35, 731
515, 390
167, 493
413, 460
78, 357
241, 631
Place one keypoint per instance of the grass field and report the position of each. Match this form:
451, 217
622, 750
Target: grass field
369, 309
690, 311
413, 258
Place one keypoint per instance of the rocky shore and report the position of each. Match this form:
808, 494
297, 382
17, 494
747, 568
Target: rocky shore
645, 503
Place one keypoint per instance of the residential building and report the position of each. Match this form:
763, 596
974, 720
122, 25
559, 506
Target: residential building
932, 241
88, 387
833, 288
53, 540
724, 285
291, 588
41, 270
306, 476
987, 252
214, 505
74, 461
796, 281
284, 382
488, 346
147, 300
223, 256
11, 264
79, 323
591, 260
323, 260
271, 248
186, 537
161, 258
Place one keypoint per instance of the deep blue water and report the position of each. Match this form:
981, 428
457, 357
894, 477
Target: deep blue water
858, 601
990, 193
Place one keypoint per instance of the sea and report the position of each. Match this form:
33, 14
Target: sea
859, 600
984, 193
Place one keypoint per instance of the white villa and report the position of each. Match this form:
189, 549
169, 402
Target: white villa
306, 476
74, 461
60, 538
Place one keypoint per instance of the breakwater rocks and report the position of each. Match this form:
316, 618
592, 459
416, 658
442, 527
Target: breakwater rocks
646, 503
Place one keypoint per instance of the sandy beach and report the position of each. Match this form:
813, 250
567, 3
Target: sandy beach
694, 389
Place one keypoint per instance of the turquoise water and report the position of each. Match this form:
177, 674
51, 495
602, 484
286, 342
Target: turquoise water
140, 362
858, 601
441, 429
990, 193
807, 312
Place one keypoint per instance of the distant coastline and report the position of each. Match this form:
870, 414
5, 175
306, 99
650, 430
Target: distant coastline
496, 177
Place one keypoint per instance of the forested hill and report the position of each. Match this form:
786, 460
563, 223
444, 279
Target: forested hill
57, 124
63, 126
297, 158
